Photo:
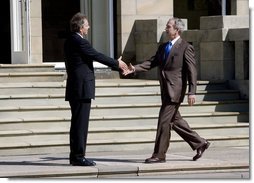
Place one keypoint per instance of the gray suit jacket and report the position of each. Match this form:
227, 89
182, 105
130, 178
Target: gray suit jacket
179, 68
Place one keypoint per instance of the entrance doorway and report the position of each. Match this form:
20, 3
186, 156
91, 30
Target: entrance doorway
55, 21
5, 33
55, 26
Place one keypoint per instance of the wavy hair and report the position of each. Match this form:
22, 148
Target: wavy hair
77, 21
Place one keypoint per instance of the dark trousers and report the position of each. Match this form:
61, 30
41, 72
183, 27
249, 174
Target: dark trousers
80, 110
170, 118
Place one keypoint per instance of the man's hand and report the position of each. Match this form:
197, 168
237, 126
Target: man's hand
122, 65
131, 69
191, 99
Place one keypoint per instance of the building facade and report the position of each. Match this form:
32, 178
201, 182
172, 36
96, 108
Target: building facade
34, 31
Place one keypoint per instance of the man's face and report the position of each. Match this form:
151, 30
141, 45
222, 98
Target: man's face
170, 29
85, 27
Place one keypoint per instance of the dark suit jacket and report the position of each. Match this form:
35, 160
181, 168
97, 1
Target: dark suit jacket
179, 68
79, 56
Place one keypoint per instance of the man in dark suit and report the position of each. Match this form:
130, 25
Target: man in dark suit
80, 86
176, 63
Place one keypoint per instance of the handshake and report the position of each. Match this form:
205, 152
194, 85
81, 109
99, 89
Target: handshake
126, 69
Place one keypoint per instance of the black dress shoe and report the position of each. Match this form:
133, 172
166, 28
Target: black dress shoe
201, 150
155, 160
82, 162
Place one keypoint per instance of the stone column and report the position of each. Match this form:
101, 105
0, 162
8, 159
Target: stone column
36, 32
240, 57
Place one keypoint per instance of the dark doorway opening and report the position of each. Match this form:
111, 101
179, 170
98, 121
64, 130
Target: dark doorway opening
56, 15
5, 32
194, 9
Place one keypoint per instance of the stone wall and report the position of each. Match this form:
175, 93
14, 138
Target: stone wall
36, 31
216, 42
221, 49
128, 12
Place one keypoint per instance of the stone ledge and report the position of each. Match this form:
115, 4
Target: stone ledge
127, 163
218, 22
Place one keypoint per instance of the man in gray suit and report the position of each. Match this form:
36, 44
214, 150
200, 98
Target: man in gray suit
176, 63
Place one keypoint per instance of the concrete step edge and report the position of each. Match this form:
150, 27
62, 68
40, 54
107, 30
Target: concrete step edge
117, 117
137, 170
37, 143
25, 65
137, 82
55, 84
199, 167
199, 92
6, 133
112, 106
33, 120
31, 74
56, 173
104, 83
130, 94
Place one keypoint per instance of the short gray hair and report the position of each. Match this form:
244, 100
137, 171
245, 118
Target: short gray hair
179, 24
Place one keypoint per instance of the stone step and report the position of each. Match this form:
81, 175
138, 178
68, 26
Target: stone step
28, 98
122, 109
108, 133
129, 164
125, 101
212, 95
13, 68
200, 95
125, 98
13, 122
149, 108
39, 147
152, 89
45, 143
143, 132
105, 86
39, 118
98, 136
234, 170
141, 82
31, 77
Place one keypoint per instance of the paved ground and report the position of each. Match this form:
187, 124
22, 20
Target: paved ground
216, 163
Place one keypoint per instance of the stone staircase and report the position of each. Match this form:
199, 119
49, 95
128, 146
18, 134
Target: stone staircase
34, 118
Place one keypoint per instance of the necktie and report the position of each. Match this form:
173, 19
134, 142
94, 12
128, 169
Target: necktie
167, 51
